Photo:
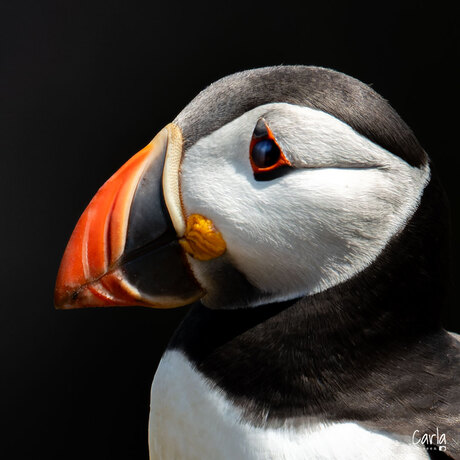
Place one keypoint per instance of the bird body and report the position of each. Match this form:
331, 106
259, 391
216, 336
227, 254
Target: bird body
199, 421
303, 213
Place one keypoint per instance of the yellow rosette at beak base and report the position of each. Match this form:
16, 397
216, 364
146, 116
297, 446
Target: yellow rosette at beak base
201, 239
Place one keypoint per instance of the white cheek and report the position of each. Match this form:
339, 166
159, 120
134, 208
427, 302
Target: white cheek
303, 232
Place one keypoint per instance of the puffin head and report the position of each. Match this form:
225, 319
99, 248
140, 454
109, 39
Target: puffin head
272, 184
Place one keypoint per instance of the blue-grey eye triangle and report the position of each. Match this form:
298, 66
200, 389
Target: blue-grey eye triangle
261, 129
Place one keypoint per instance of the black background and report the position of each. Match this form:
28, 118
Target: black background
87, 84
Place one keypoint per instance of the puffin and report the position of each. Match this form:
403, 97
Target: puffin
299, 216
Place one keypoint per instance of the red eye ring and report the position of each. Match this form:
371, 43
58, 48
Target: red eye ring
264, 134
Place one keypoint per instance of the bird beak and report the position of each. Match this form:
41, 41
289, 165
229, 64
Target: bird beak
129, 246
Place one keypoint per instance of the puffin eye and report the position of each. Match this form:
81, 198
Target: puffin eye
265, 153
